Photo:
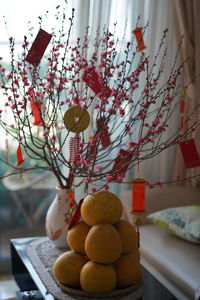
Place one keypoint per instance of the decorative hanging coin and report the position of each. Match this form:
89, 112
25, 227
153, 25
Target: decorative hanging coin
76, 119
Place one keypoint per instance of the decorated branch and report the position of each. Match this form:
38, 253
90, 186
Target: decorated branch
90, 109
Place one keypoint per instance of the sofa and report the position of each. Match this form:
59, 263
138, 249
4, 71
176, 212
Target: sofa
170, 260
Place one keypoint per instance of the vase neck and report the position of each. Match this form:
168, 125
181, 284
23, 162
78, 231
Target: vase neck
62, 192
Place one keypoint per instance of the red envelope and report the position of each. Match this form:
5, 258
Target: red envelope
190, 154
121, 163
95, 82
104, 134
38, 47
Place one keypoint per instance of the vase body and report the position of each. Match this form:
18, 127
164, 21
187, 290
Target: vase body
57, 218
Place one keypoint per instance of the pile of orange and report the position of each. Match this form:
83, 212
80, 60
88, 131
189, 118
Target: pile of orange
104, 254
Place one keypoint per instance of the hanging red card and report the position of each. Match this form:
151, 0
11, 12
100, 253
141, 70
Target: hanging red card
139, 37
104, 133
95, 82
190, 154
138, 196
121, 163
20, 159
38, 47
36, 110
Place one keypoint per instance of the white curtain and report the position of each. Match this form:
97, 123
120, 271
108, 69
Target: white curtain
159, 14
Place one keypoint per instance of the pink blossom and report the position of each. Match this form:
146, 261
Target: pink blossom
39, 94
142, 115
132, 144
45, 133
9, 76
88, 179
141, 140
99, 168
109, 178
119, 179
107, 187
151, 186
155, 122
14, 106
122, 112
96, 106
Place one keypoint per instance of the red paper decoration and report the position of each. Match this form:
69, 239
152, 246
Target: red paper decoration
190, 154
138, 196
38, 47
36, 110
139, 37
20, 159
104, 133
182, 110
74, 145
96, 83
77, 215
121, 164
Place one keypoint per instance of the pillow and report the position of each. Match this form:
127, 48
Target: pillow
182, 221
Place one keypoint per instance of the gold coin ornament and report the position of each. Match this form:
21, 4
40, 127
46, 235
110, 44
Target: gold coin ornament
76, 119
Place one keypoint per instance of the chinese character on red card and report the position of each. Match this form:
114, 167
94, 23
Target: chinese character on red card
139, 37
138, 196
95, 82
190, 154
38, 47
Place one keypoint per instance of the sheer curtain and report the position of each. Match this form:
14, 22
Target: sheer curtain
159, 14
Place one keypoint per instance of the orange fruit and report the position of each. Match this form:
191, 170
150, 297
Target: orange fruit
103, 243
67, 268
128, 236
97, 278
128, 270
101, 207
76, 237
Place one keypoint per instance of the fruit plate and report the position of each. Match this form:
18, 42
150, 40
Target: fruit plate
137, 288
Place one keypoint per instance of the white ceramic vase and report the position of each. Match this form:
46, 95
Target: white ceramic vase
57, 218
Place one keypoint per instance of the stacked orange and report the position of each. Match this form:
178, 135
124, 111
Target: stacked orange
104, 254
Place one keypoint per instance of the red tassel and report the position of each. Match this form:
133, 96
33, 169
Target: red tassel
182, 110
139, 37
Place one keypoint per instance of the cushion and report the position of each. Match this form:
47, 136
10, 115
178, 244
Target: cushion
182, 221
